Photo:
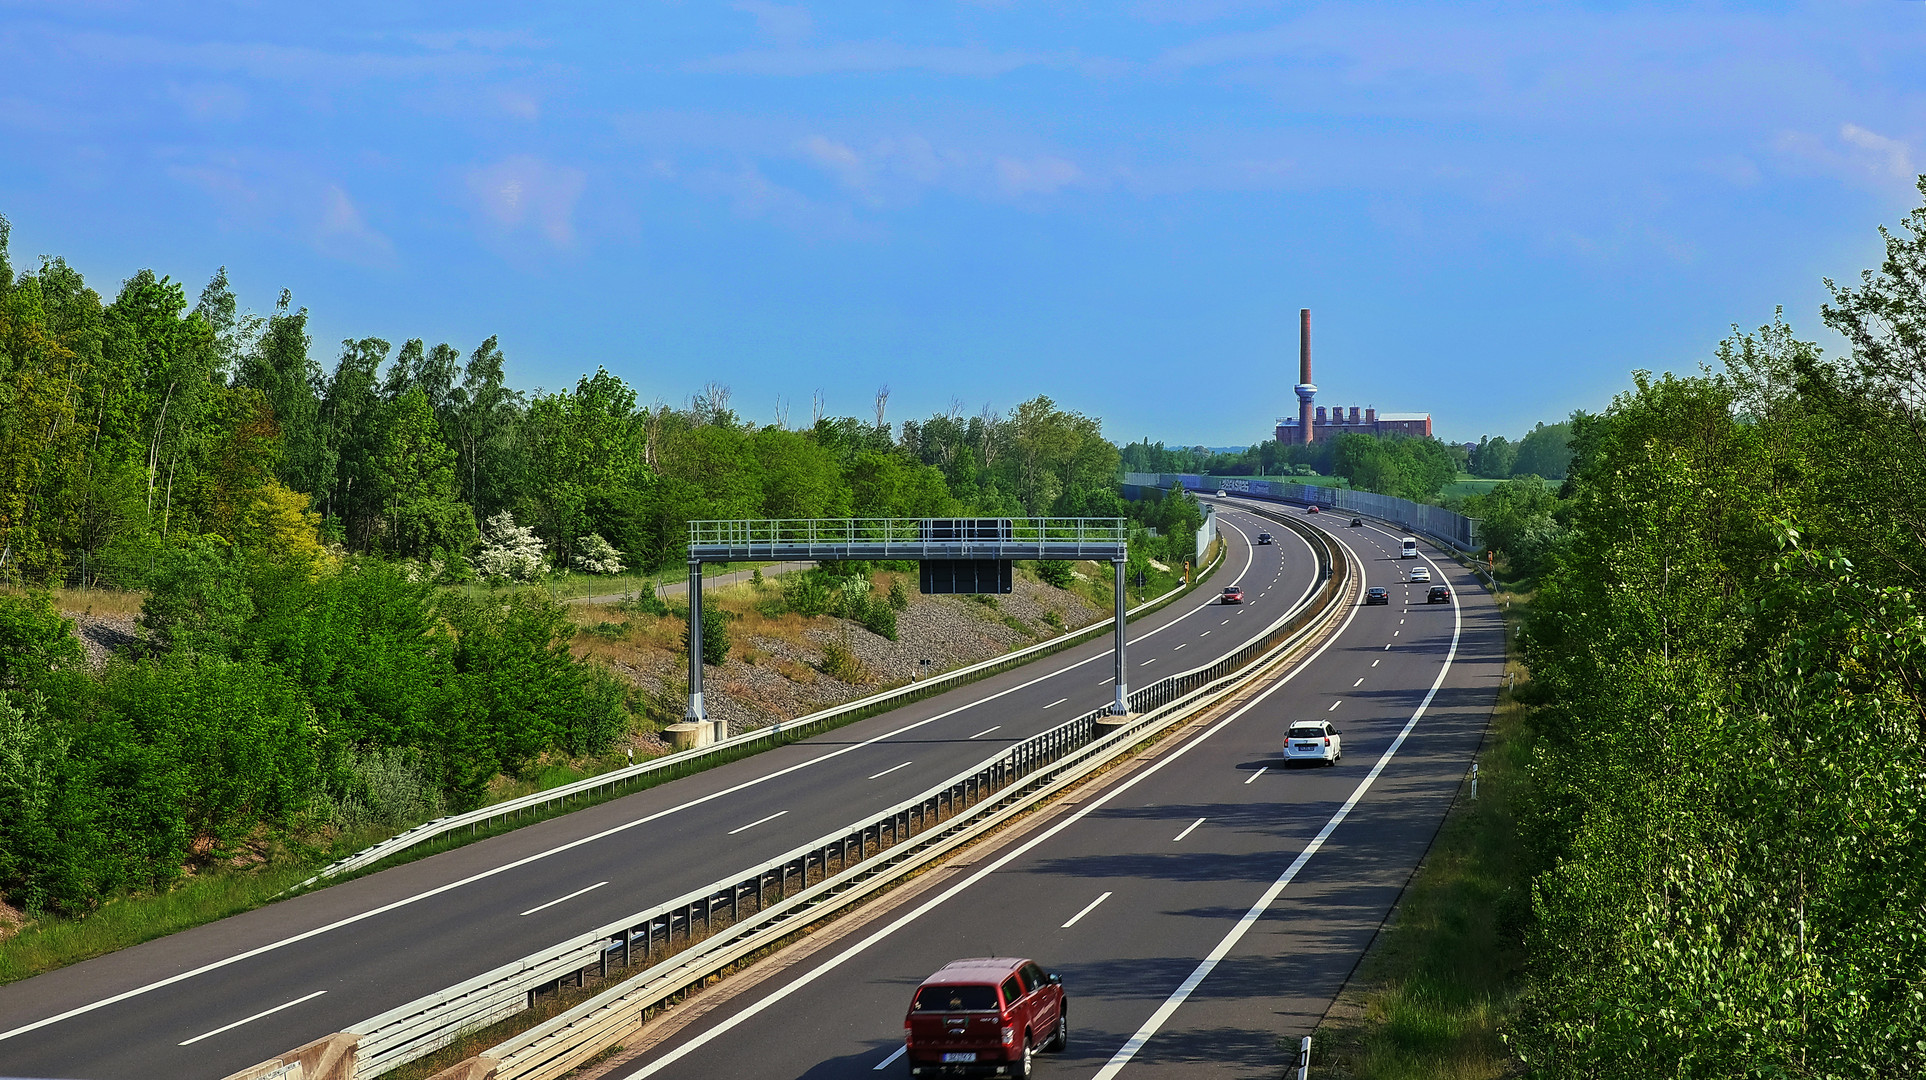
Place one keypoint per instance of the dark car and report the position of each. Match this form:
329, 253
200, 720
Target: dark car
1377, 594
985, 1016
1312, 509
1356, 522
1439, 594
1233, 595
1263, 538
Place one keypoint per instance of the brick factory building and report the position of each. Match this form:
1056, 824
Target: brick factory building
1329, 424
1292, 430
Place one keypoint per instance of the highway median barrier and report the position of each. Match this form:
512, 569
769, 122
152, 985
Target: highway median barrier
685, 942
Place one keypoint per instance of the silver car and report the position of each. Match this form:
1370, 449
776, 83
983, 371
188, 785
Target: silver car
1420, 573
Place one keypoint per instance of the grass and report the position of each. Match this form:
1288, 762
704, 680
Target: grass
1468, 485
1432, 996
47, 943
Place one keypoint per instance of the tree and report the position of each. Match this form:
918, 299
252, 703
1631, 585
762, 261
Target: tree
1545, 451
510, 551
413, 475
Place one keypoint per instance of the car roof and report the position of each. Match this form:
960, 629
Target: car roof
976, 969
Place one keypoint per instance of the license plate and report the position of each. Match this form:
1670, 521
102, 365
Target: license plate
971, 1056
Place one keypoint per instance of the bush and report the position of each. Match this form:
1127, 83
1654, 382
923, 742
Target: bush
35, 640
715, 636
1054, 572
805, 594
840, 663
899, 595
643, 602
879, 618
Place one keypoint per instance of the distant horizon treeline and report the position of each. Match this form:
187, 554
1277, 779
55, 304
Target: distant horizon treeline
128, 422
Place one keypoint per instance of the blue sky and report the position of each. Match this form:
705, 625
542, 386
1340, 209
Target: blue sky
1495, 211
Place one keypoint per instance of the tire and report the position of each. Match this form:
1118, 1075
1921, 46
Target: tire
1026, 1064
1061, 1039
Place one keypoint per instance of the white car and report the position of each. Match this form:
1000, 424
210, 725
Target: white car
1420, 573
1313, 740
1222, 494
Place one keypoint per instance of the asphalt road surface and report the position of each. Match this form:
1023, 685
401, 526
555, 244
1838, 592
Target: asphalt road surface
1202, 909
209, 1001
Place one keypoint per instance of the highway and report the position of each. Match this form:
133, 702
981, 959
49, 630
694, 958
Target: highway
208, 1001
1203, 907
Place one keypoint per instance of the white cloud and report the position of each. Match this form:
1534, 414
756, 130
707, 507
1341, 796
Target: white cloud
344, 232
1036, 176
1882, 155
527, 191
783, 23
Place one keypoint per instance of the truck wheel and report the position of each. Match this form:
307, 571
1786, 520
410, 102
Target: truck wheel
1061, 1039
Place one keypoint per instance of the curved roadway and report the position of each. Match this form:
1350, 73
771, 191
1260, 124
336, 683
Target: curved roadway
211, 1000
1204, 907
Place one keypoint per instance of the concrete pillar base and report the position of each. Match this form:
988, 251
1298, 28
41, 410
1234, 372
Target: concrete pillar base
690, 735
1106, 724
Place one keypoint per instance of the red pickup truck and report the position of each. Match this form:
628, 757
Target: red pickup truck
985, 1016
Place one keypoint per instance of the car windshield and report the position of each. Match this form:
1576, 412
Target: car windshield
1306, 733
1377, 590
957, 998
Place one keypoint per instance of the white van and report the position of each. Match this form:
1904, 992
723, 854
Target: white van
1409, 550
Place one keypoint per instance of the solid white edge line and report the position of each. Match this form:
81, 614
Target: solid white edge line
891, 1060
1187, 831
570, 896
228, 961
1088, 908
757, 822
1169, 1007
251, 1019
891, 769
749, 1013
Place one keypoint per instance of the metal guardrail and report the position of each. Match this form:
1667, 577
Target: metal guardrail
909, 538
723, 916
483, 817
1448, 527
1028, 773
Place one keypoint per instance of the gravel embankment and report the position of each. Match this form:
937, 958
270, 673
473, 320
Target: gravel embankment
786, 680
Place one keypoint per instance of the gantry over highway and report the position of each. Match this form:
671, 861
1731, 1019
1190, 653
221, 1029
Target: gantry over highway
956, 555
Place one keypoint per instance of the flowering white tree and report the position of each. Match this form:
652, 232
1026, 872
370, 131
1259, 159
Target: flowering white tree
598, 556
509, 550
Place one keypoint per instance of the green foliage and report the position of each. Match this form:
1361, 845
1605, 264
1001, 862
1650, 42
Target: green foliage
715, 635
1520, 519
197, 598
35, 640
840, 663
1409, 468
899, 594
1057, 572
879, 618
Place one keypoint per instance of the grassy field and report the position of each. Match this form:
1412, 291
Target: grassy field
1468, 485
1432, 996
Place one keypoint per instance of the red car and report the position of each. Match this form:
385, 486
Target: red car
1312, 509
985, 1016
1233, 595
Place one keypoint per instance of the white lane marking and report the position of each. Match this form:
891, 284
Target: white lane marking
215, 965
350, 920
891, 1060
1204, 634
986, 731
1357, 684
1148, 662
1226, 622
992, 867
892, 769
1395, 633
1376, 662
757, 822
1187, 831
1261, 770
1180, 646
251, 1019
1169, 1007
1108, 681
1061, 700
576, 893
1334, 705
1092, 907
1387, 646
